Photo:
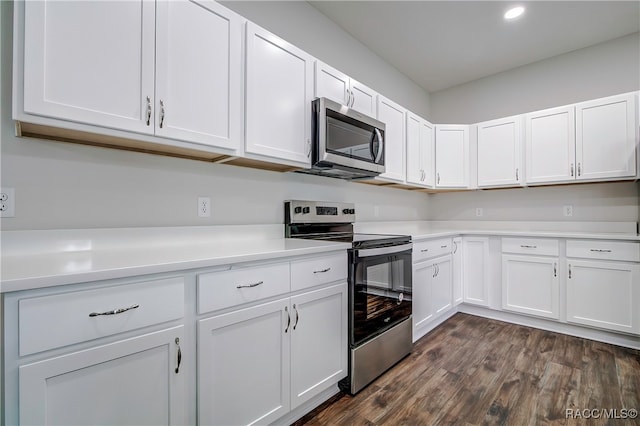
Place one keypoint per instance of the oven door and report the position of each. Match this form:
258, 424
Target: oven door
380, 290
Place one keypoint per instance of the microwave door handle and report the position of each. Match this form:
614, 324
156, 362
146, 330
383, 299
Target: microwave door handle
380, 146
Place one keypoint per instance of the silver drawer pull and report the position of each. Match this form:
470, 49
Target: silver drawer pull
443, 246
114, 311
250, 285
322, 271
601, 251
526, 246
424, 250
179, 355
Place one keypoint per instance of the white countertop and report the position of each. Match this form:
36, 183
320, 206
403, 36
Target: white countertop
90, 255
35, 259
625, 231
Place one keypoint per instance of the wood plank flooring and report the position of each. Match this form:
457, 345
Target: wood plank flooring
477, 371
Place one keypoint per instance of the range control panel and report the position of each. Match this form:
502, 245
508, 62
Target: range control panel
299, 211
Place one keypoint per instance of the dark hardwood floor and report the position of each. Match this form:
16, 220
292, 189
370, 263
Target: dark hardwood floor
477, 371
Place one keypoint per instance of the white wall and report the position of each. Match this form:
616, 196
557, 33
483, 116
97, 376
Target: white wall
60, 185
601, 70
615, 202
304, 26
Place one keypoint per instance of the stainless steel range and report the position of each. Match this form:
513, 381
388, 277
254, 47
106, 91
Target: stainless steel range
379, 286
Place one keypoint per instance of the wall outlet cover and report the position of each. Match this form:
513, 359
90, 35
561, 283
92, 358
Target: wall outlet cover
204, 207
7, 202
479, 212
567, 211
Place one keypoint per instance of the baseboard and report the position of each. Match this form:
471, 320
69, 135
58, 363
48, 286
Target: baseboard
308, 406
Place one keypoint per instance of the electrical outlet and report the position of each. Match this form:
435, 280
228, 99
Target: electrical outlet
479, 212
7, 202
567, 211
204, 207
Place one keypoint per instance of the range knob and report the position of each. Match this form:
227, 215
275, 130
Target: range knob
345, 211
305, 210
352, 211
297, 210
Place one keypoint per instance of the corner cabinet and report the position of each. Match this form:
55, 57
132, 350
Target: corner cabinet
279, 91
171, 69
452, 156
500, 152
339, 87
392, 115
420, 151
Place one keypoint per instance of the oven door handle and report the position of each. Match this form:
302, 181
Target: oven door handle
383, 250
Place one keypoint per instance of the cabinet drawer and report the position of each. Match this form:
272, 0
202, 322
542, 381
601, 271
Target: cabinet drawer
432, 248
54, 321
539, 246
320, 270
218, 290
607, 250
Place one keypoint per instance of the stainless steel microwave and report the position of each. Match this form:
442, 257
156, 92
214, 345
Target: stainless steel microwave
346, 144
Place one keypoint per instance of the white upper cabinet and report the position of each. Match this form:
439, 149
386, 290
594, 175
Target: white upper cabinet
550, 153
452, 156
392, 115
198, 73
606, 137
90, 62
420, 151
500, 152
339, 87
279, 91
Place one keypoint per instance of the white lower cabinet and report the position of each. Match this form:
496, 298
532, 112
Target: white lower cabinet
288, 351
130, 382
250, 343
604, 294
530, 285
475, 282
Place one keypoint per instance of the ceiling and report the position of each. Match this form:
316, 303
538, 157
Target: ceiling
440, 44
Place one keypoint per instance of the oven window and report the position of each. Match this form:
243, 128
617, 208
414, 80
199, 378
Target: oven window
349, 138
381, 295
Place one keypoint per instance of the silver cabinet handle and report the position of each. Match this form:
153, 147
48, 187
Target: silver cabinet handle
571, 169
438, 178
179, 355
555, 270
308, 148
444, 246
455, 247
148, 111
434, 271
579, 171
517, 178
353, 98
600, 251
161, 113
437, 270
297, 316
424, 250
348, 97
250, 285
286, 309
569, 271
526, 246
322, 271
114, 311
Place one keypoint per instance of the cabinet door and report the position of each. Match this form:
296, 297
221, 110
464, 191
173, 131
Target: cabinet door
251, 343
392, 115
91, 62
452, 156
420, 135
530, 285
606, 138
129, 382
441, 290
279, 91
456, 270
423, 275
499, 153
475, 255
550, 145
198, 74
318, 341
363, 98
604, 294
331, 84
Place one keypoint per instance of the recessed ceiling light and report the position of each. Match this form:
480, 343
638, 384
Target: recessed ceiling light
513, 13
